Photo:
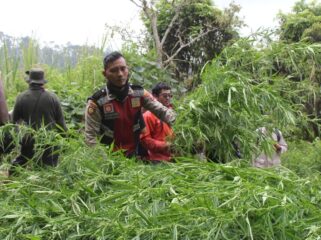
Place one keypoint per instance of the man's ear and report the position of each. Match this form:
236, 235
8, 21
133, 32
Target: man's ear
104, 73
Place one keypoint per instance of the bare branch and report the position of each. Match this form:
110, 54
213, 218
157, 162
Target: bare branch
188, 44
151, 14
134, 2
169, 28
180, 40
147, 10
176, 44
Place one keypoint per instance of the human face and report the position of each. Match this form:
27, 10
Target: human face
117, 72
165, 97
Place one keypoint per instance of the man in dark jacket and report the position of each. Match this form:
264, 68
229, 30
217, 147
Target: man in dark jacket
113, 114
37, 107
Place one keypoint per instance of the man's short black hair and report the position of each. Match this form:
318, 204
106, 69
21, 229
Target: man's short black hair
156, 90
111, 57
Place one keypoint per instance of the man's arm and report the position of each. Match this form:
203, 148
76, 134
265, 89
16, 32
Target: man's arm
165, 114
148, 141
92, 123
16, 114
4, 117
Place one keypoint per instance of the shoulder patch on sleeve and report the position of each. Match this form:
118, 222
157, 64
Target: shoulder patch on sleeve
138, 91
92, 107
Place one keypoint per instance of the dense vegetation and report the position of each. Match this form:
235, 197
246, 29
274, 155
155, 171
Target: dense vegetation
95, 193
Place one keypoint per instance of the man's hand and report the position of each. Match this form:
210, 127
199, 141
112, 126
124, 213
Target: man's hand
170, 147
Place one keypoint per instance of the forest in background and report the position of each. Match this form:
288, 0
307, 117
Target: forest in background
225, 87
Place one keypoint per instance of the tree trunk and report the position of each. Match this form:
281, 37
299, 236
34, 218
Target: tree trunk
4, 116
158, 45
152, 16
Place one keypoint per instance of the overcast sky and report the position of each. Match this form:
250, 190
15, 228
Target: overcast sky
83, 21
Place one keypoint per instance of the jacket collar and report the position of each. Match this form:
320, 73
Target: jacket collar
110, 96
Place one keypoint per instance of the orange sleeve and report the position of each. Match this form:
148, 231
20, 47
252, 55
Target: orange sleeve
148, 142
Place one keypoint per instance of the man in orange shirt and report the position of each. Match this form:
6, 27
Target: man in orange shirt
157, 133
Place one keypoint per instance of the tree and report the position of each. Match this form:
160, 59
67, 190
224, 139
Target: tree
302, 27
188, 33
304, 23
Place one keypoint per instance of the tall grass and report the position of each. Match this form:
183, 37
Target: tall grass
97, 194
9, 66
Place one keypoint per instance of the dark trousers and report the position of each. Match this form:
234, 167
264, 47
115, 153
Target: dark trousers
48, 157
6, 143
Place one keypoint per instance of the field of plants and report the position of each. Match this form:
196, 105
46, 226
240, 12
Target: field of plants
95, 193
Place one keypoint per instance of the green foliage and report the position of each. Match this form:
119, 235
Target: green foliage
299, 64
9, 65
302, 24
228, 107
292, 71
146, 72
97, 194
313, 34
243, 83
304, 158
75, 85
30, 53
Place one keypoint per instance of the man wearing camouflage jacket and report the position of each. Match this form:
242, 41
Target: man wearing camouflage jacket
113, 114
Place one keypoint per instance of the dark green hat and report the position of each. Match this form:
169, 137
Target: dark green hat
36, 75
